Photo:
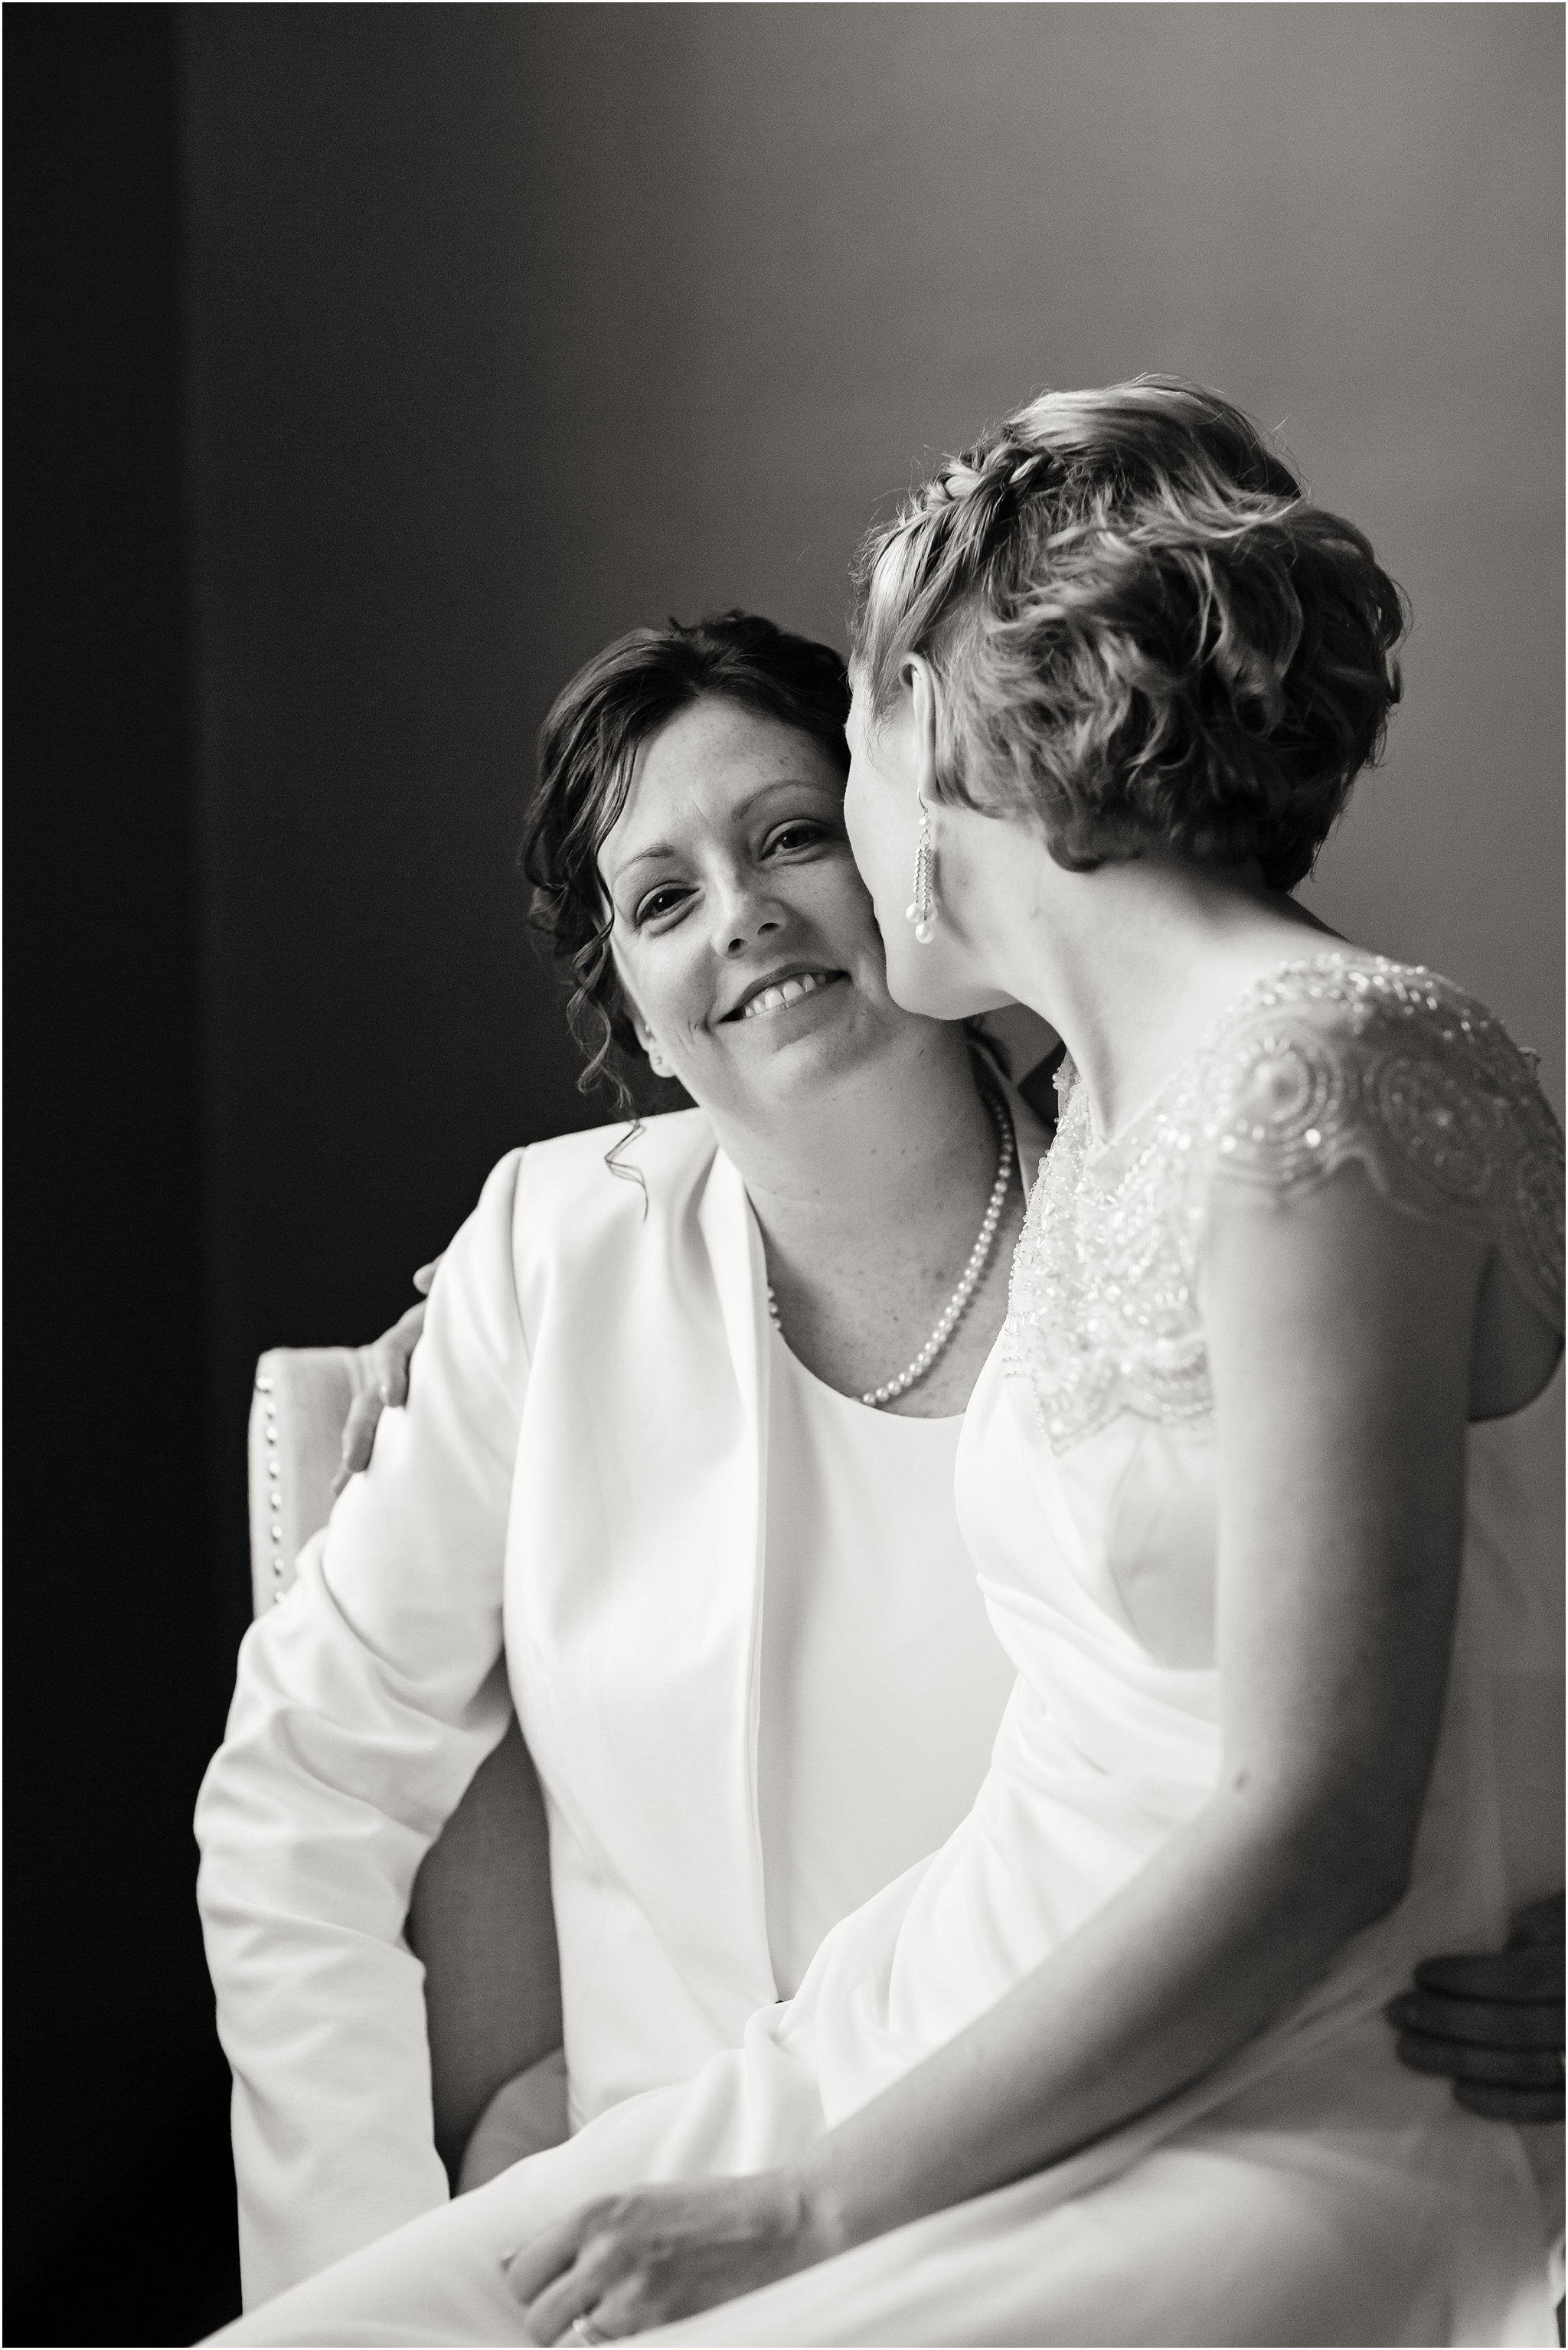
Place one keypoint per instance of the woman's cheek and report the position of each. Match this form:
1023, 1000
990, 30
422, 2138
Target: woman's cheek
875, 866
908, 976
856, 829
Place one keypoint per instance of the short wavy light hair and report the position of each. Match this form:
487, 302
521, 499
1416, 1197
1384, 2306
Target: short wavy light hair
1146, 633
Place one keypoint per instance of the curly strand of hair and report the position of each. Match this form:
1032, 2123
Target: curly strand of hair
629, 1174
590, 1022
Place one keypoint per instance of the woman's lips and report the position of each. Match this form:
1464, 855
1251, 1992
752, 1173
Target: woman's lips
781, 992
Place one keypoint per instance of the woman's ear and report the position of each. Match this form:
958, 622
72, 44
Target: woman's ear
649, 1043
924, 691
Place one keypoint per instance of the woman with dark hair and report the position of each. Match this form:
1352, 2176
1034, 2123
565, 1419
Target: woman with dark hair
608, 1448
1248, 1478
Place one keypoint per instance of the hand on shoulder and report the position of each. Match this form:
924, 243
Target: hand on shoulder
385, 1362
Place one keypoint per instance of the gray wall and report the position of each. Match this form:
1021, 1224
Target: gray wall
512, 327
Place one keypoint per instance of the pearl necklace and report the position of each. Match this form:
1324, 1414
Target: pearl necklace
978, 1258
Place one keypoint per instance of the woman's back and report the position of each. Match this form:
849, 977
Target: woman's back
1088, 1479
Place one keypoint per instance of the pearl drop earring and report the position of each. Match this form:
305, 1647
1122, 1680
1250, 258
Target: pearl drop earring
922, 910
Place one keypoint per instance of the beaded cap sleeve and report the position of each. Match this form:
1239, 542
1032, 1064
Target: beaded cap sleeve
1340, 1057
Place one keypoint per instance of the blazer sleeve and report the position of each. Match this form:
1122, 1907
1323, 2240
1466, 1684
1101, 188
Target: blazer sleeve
364, 1702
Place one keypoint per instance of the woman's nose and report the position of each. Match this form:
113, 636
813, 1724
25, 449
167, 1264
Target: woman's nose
746, 916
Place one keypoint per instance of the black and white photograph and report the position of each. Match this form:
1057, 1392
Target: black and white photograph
785, 812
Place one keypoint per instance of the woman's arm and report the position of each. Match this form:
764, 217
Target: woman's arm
363, 1706
1340, 1342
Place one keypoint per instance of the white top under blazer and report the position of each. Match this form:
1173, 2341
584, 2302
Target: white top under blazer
570, 1516
883, 1684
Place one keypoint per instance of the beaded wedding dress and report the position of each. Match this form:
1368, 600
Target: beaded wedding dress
1308, 2190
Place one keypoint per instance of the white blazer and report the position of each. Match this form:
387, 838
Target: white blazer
567, 1517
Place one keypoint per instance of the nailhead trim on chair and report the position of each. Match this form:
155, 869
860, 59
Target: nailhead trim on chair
274, 1492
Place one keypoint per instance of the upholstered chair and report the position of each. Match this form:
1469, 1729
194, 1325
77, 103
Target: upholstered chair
480, 1920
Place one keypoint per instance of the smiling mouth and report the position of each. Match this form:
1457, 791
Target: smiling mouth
781, 992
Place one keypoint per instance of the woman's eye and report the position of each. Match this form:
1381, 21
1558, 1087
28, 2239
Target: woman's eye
804, 834
657, 902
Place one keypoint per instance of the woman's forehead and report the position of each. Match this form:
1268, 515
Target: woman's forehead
723, 740
713, 765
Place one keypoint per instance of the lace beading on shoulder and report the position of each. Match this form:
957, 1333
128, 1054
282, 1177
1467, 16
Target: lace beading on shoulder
1359, 1058
1342, 1056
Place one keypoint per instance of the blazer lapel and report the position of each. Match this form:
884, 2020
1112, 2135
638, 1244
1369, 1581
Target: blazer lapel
740, 1272
634, 1611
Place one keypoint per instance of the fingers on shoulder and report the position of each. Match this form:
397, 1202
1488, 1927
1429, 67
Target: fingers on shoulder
386, 1362
359, 1436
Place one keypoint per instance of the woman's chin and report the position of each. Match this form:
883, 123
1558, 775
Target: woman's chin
916, 984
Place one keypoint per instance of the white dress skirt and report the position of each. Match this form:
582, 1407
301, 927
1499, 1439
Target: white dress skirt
1308, 2190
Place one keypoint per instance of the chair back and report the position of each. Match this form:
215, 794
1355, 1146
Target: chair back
480, 1920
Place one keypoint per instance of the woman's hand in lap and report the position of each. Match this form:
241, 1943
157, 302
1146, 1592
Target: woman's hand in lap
629, 2263
387, 1360
1493, 2020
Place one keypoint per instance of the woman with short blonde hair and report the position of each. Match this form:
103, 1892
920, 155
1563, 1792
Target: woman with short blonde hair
1253, 1483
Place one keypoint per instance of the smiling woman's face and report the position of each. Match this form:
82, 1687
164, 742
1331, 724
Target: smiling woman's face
742, 933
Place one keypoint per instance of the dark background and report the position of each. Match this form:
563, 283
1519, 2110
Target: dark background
369, 367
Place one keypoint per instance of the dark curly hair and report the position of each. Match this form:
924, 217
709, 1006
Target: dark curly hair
1146, 634
588, 749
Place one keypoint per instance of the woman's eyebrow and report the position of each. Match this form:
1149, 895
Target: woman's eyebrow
743, 808
644, 857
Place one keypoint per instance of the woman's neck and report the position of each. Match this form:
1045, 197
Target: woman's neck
870, 1196
881, 1151
1130, 963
